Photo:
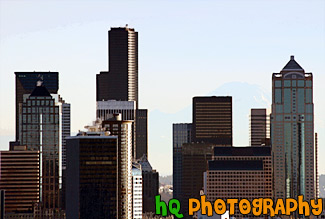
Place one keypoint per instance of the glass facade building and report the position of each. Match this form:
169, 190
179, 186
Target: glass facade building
292, 132
182, 133
39, 128
92, 176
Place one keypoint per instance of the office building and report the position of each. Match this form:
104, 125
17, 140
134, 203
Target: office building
123, 130
65, 112
239, 172
20, 179
25, 84
136, 191
150, 185
195, 157
39, 131
182, 133
212, 120
259, 127
44, 122
92, 180
121, 81
120, 84
141, 133
292, 132
65, 122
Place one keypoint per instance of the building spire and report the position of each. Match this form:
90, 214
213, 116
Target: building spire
292, 65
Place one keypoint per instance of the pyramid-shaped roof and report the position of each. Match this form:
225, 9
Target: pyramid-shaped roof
40, 91
292, 64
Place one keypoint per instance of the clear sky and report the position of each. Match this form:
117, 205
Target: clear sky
186, 48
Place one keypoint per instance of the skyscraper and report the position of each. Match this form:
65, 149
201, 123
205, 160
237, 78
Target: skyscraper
212, 120
292, 132
123, 130
120, 84
121, 81
43, 122
150, 185
25, 84
182, 133
195, 157
39, 131
258, 127
136, 191
92, 176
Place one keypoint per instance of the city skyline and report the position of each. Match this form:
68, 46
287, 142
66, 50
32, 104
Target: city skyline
51, 47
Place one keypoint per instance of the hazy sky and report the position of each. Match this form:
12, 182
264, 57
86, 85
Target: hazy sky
186, 48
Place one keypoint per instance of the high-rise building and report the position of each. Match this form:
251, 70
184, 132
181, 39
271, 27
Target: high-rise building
141, 133
39, 130
259, 127
150, 185
120, 84
43, 124
25, 84
239, 172
292, 132
123, 130
92, 176
212, 120
65, 132
121, 81
20, 178
182, 133
65, 128
136, 191
195, 157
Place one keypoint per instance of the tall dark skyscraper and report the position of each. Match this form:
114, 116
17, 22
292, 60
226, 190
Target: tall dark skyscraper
292, 132
182, 133
212, 120
121, 81
120, 84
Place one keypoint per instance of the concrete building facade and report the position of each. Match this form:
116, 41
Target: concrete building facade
20, 179
239, 172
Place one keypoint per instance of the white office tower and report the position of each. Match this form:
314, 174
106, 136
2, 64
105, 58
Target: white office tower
137, 190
